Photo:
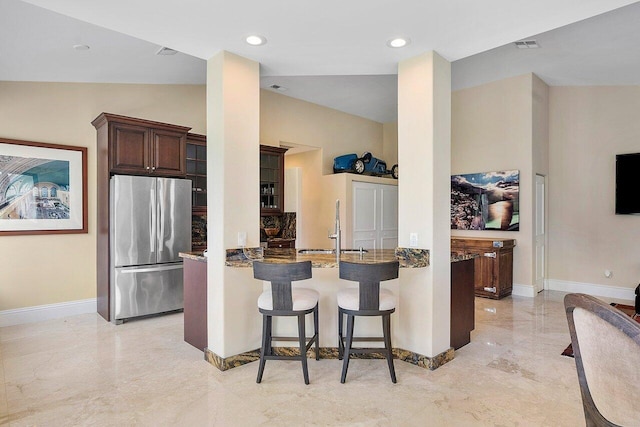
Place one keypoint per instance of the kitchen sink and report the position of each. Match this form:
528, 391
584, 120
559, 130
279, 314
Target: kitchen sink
329, 251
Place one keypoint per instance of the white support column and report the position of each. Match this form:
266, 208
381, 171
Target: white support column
233, 140
424, 156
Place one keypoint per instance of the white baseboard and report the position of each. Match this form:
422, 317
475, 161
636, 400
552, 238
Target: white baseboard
38, 313
523, 290
592, 289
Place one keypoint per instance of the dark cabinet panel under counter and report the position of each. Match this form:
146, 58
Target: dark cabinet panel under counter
195, 299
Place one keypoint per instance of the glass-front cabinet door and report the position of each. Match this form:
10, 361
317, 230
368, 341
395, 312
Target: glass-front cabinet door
197, 173
271, 180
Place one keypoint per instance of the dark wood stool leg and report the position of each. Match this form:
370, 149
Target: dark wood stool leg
340, 338
263, 349
347, 348
269, 351
303, 347
315, 331
386, 328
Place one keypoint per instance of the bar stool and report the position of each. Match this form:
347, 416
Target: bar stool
366, 300
283, 300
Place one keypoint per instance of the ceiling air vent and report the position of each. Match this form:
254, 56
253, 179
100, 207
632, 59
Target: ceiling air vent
166, 51
527, 44
277, 87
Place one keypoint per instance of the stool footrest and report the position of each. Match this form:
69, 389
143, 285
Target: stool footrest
366, 339
296, 339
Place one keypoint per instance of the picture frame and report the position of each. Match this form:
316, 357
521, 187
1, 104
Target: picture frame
486, 201
43, 188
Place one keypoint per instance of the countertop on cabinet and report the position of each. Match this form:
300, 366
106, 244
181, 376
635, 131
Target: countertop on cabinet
193, 255
462, 257
408, 258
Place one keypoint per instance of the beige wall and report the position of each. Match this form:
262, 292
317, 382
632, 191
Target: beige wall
37, 270
294, 122
390, 144
491, 131
588, 126
288, 120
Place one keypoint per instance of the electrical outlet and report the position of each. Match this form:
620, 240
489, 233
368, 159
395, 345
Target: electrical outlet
242, 238
413, 240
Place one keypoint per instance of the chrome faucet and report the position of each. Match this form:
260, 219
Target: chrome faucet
337, 232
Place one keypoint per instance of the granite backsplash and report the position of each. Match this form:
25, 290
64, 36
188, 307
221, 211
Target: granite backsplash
285, 222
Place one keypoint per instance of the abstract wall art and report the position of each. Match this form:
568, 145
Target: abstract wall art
486, 201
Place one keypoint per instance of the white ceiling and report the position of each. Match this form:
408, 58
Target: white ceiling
331, 53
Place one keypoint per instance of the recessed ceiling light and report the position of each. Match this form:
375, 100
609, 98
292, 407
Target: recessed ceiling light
398, 42
166, 51
81, 47
256, 40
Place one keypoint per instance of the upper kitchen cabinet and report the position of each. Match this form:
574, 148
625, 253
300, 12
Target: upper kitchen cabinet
197, 169
143, 147
197, 173
271, 180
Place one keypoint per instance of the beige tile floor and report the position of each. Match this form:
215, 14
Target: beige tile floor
82, 370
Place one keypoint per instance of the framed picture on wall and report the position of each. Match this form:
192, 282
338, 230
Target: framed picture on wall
486, 201
43, 188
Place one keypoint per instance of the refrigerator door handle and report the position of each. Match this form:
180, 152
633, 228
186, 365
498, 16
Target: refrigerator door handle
150, 269
160, 207
153, 212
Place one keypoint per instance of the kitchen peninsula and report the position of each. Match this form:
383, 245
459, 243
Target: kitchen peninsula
325, 280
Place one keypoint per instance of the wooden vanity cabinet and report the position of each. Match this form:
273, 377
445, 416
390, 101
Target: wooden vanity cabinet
493, 275
143, 147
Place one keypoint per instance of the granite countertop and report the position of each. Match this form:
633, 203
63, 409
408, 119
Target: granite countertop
462, 257
408, 258
194, 255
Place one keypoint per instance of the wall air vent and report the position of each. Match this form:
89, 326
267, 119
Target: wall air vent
166, 51
527, 44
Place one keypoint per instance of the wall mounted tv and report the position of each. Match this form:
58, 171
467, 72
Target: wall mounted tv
627, 194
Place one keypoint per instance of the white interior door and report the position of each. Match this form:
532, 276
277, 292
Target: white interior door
540, 234
375, 216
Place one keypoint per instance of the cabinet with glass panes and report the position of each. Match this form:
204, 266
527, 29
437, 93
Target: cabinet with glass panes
271, 180
197, 173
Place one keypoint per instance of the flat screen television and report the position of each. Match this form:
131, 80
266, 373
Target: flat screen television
627, 194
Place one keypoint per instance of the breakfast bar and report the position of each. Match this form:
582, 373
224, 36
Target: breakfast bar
326, 281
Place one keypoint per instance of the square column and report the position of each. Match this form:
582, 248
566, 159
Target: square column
424, 192
233, 167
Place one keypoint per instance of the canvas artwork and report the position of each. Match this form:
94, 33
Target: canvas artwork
486, 201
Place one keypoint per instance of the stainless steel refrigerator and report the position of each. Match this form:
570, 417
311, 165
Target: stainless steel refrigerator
150, 224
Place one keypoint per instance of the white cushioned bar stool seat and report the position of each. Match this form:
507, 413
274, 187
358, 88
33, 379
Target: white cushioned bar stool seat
303, 299
350, 299
284, 300
368, 299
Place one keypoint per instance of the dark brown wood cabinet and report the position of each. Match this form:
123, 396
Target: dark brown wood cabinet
281, 243
271, 180
493, 275
195, 303
129, 146
143, 147
196, 168
462, 302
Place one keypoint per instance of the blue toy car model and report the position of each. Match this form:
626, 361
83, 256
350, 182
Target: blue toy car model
367, 163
